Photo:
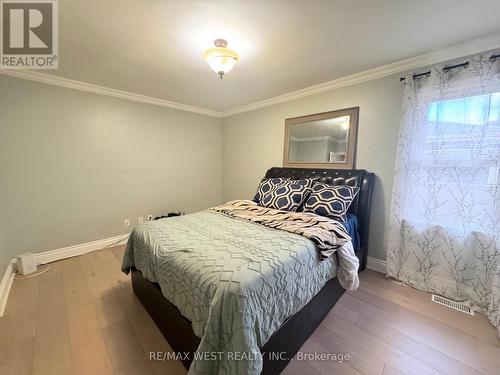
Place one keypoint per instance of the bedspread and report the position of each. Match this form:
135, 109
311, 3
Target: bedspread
236, 281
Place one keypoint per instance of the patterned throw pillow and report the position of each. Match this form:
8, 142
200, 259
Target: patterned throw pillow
268, 184
330, 201
265, 186
288, 196
307, 182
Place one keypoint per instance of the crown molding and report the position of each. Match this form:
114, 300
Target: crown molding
102, 90
460, 50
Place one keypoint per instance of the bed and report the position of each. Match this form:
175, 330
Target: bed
290, 261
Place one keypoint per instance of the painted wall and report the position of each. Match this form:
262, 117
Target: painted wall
4, 261
253, 142
74, 165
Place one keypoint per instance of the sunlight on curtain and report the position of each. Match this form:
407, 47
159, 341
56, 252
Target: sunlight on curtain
444, 232
460, 157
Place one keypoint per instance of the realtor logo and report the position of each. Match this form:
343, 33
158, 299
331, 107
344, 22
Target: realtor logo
29, 37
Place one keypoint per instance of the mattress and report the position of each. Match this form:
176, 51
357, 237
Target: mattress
235, 280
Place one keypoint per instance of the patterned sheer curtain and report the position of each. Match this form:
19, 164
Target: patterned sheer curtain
444, 234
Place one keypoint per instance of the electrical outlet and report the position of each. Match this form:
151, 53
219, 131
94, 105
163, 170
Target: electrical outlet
150, 217
127, 222
140, 220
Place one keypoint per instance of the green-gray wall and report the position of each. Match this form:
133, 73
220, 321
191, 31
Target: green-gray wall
253, 142
74, 165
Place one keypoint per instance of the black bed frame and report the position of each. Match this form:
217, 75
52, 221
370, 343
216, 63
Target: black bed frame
288, 339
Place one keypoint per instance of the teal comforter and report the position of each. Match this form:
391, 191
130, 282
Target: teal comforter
236, 281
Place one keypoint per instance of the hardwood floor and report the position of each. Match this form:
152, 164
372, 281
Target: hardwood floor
81, 317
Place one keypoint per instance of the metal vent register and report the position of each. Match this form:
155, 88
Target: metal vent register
459, 306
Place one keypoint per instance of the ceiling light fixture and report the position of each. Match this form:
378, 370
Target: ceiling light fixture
220, 58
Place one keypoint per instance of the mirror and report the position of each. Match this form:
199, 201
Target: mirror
323, 140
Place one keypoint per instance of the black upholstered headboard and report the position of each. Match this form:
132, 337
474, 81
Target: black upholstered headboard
352, 177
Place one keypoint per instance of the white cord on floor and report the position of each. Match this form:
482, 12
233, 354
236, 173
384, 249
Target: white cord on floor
43, 268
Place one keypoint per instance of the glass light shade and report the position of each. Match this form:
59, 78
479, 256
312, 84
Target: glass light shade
221, 60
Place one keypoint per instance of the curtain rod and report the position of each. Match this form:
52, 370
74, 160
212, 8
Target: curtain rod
493, 58
427, 74
462, 65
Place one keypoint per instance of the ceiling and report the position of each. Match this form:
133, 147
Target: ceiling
154, 47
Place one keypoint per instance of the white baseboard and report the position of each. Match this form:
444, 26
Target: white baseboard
52, 256
5, 286
376, 265
84, 248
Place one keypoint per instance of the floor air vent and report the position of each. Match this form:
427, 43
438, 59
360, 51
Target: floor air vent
459, 306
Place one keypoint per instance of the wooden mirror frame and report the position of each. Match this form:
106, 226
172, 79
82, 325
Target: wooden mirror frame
352, 141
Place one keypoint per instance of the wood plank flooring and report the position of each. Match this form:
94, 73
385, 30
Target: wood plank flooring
81, 318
